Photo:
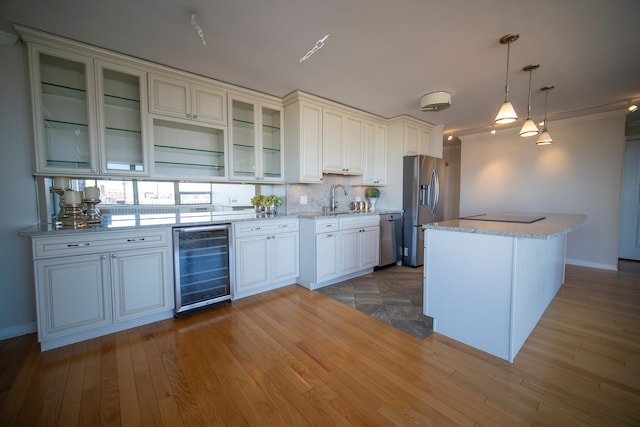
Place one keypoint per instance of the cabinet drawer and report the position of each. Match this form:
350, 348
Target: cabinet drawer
324, 225
267, 226
358, 221
90, 242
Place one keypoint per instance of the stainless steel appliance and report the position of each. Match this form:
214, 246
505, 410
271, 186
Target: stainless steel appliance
422, 187
390, 238
202, 268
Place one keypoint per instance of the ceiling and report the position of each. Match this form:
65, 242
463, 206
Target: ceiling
381, 56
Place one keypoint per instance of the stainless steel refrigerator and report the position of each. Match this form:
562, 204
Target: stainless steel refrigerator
422, 191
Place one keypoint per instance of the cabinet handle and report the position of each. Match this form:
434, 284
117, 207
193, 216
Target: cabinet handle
103, 257
77, 245
139, 239
103, 171
195, 116
114, 256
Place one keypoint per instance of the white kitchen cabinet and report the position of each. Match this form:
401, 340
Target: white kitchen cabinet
416, 137
88, 114
346, 246
302, 139
183, 149
256, 141
94, 283
185, 99
342, 141
375, 154
266, 255
360, 245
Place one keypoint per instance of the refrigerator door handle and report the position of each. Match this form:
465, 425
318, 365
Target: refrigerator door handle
433, 188
436, 192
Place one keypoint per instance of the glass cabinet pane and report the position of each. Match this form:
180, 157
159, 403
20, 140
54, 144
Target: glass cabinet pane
271, 143
122, 118
243, 139
66, 138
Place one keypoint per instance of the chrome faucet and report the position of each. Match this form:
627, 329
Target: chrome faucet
333, 205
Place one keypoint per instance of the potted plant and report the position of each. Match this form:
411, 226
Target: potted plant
372, 194
270, 203
258, 201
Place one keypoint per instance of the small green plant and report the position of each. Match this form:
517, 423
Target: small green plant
258, 200
372, 193
272, 200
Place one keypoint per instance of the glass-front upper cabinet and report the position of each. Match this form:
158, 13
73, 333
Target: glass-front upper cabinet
122, 103
88, 115
64, 111
256, 141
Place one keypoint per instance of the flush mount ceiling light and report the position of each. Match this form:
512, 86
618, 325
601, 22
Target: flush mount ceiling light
507, 114
632, 108
545, 137
435, 101
529, 128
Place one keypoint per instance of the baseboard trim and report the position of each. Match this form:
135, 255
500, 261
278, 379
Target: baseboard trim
17, 330
598, 265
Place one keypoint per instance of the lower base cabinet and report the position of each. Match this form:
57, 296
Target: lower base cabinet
345, 246
92, 284
266, 255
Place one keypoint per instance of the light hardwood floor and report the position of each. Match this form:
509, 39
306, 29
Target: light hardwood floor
293, 357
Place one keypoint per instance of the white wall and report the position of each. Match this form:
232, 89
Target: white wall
17, 192
580, 173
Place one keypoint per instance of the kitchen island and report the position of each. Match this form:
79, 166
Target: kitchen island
489, 279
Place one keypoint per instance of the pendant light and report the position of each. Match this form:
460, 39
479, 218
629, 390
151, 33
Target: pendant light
545, 137
529, 128
507, 114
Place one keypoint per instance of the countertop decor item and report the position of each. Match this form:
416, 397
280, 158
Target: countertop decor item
372, 193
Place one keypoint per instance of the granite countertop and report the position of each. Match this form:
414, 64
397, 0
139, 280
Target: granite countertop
141, 221
551, 226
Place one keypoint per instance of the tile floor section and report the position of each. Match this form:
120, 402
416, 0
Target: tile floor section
392, 295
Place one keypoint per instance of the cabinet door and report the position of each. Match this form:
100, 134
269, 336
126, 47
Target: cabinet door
369, 247
375, 154
332, 141
310, 143
271, 142
122, 107
352, 145
349, 251
64, 108
169, 96
72, 294
141, 282
425, 142
243, 140
327, 256
284, 251
411, 140
252, 266
208, 104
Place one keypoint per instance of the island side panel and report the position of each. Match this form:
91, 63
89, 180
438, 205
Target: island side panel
538, 275
467, 288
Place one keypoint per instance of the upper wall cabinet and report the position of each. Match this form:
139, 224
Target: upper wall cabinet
88, 114
303, 139
375, 154
186, 100
415, 137
256, 140
343, 140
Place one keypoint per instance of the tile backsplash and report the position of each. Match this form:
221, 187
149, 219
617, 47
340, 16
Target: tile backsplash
318, 195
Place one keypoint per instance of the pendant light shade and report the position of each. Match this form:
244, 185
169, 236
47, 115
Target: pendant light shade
529, 128
507, 114
545, 137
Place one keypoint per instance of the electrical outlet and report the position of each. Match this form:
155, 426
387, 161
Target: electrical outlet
303, 200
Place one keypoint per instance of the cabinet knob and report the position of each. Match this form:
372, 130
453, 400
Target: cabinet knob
103, 171
195, 116
188, 116
103, 257
114, 256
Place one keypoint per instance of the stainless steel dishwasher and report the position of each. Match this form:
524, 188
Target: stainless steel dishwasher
390, 238
202, 267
